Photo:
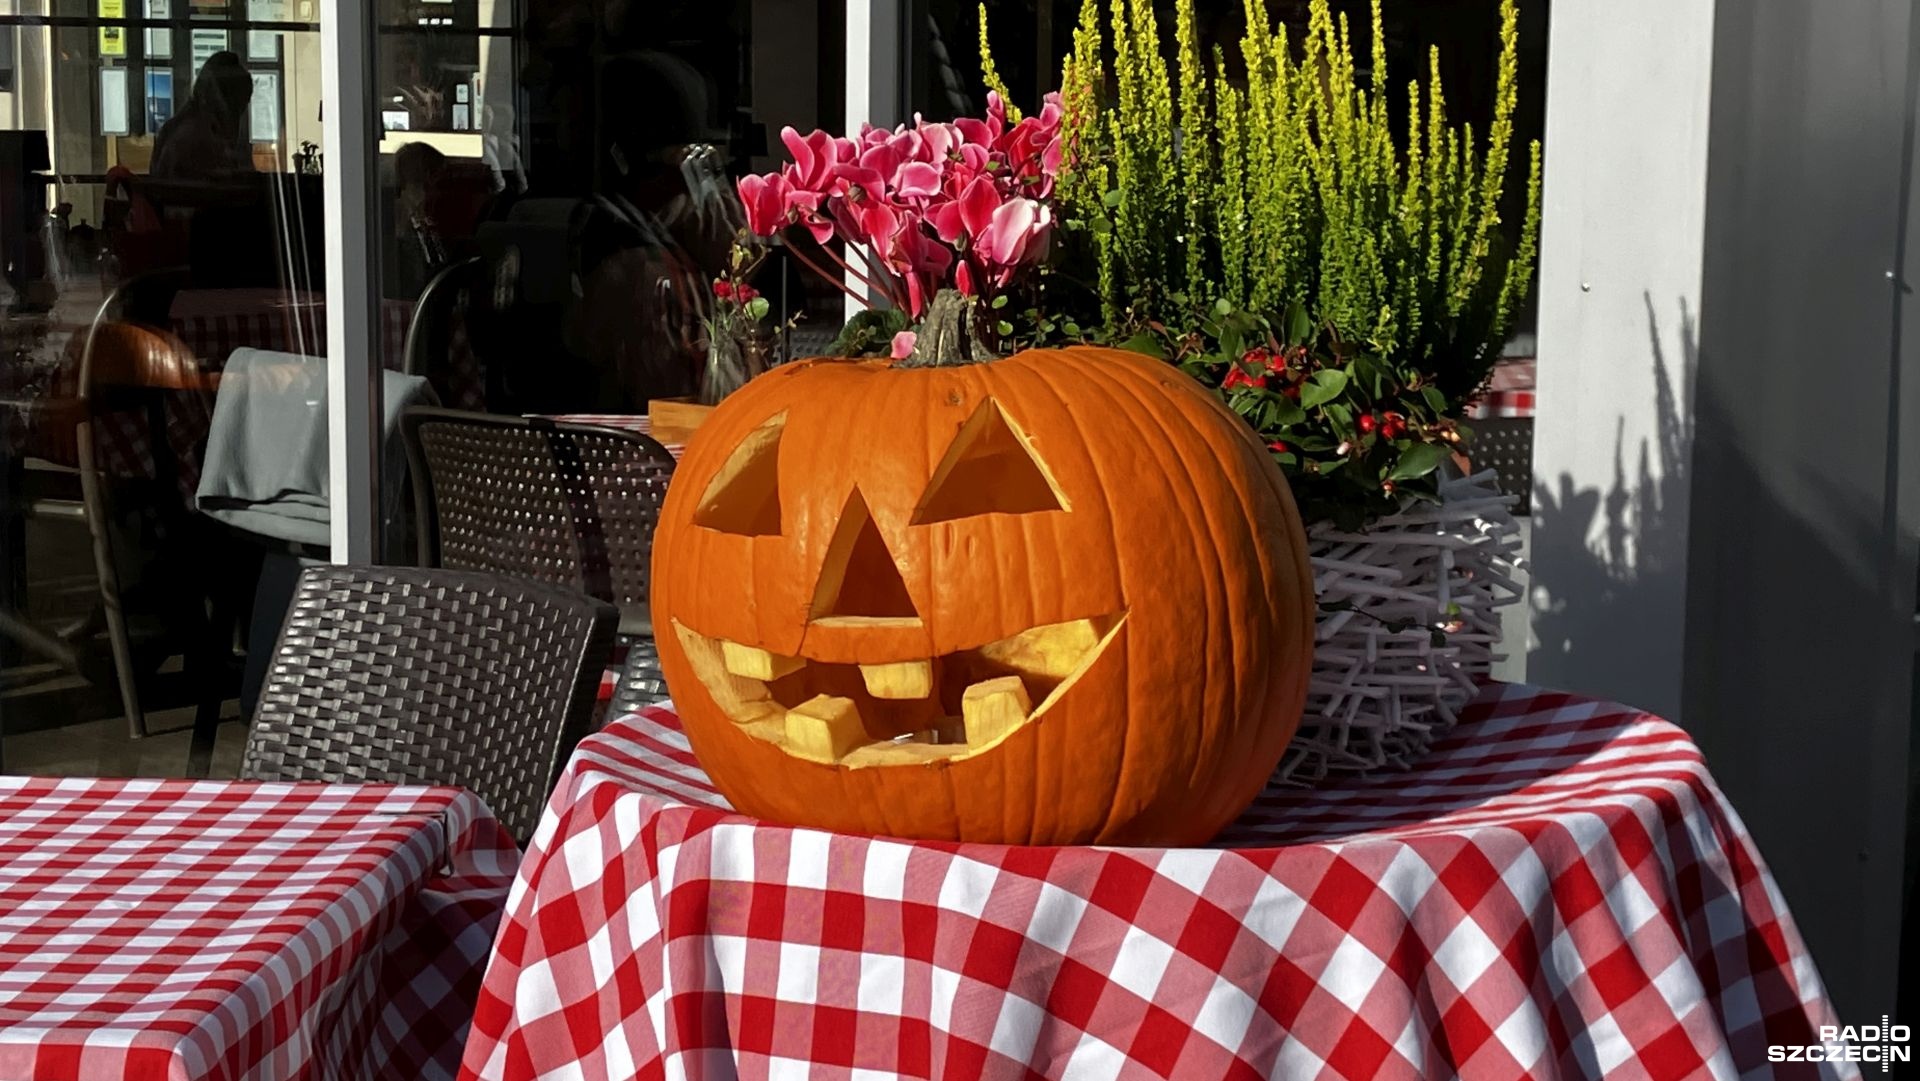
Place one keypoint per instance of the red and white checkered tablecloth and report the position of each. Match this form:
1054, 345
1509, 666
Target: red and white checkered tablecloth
1559, 890
179, 930
1509, 392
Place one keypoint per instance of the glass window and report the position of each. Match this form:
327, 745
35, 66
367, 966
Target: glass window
161, 236
561, 173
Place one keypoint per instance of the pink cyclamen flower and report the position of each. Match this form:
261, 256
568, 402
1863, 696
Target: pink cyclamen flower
916, 180
765, 200
1017, 229
903, 344
814, 157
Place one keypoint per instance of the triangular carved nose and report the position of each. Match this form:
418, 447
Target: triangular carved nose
860, 577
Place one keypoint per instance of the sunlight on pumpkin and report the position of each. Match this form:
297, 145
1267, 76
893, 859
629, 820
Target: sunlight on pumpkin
859, 577
921, 710
744, 496
991, 468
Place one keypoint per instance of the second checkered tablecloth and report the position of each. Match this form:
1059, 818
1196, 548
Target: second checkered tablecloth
186, 930
1558, 890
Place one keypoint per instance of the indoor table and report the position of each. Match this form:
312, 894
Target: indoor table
1558, 890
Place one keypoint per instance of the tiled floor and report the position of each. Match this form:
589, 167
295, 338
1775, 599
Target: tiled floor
101, 748
55, 724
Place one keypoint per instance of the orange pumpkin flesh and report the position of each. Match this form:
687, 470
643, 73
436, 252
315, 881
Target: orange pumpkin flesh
1059, 598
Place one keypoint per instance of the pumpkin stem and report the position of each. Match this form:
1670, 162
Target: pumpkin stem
951, 333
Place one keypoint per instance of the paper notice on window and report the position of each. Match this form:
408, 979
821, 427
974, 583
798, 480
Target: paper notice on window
113, 39
265, 44
205, 44
264, 123
113, 102
159, 42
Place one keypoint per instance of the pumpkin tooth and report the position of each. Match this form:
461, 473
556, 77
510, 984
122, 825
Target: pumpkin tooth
752, 662
993, 707
902, 679
1054, 651
824, 728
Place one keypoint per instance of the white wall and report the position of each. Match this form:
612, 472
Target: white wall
1620, 281
1730, 522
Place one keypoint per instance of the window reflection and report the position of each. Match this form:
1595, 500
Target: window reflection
159, 225
562, 172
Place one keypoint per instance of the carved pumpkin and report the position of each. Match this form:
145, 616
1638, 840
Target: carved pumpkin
1058, 598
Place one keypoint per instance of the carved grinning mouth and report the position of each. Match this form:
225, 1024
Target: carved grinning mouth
916, 710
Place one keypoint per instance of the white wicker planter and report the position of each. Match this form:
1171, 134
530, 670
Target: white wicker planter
1380, 695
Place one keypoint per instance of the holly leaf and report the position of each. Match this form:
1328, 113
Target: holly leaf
1286, 412
1325, 385
1299, 324
1144, 343
1419, 460
1436, 401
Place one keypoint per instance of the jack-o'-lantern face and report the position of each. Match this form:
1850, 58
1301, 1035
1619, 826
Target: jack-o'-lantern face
1061, 597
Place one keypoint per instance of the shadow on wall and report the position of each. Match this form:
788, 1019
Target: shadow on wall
1620, 558
1745, 542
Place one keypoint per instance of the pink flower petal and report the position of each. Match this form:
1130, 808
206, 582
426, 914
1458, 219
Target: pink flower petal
903, 344
978, 205
1011, 228
917, 180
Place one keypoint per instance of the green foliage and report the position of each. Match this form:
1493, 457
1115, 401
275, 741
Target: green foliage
1207, 214
1290, 186
1356, 431
869, 333
990, 75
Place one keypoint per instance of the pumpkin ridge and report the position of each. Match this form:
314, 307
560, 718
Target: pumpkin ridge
1097, 381
1041, 379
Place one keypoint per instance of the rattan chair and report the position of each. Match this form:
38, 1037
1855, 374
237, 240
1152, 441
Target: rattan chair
405, 676
564, 503
641, 682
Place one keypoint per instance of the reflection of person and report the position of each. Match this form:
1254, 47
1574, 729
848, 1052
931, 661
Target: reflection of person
670, 217
418, 173
208, 138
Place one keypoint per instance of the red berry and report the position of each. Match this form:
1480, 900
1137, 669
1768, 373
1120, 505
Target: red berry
1366, 422
1277, 446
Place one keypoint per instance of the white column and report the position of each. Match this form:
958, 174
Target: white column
1620, 284
1729, 522
874, 45
353, 366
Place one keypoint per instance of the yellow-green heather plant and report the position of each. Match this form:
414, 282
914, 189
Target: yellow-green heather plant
1290, 189
1344, 290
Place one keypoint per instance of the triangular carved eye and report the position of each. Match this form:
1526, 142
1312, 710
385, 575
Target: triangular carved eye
744, 497
860, 576
991, 468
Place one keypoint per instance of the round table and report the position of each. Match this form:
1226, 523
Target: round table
1558, 890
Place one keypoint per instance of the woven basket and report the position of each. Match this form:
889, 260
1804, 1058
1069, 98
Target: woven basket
1409, 622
